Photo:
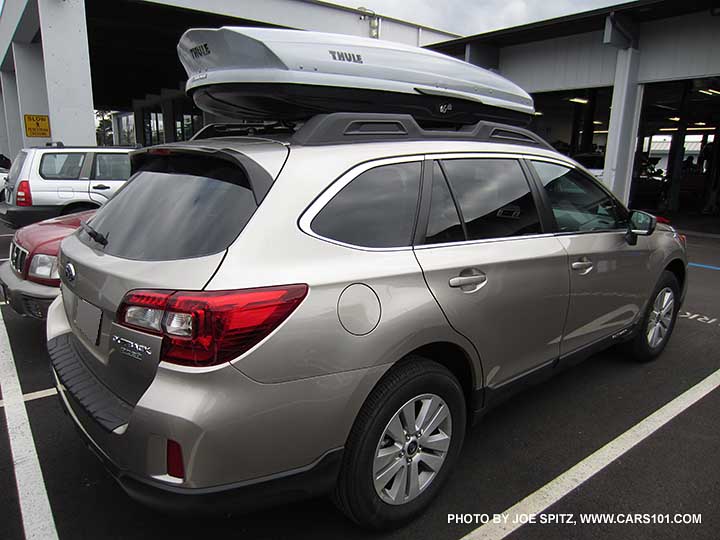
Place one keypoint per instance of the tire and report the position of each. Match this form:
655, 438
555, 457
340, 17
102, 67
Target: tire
425, 384
643, 348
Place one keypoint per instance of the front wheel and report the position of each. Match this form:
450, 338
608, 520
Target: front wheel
658, 323
405, 441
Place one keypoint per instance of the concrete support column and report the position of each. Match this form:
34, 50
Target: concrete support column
168, 112
624, 121
32, 95
67, 71
11, 110
4, 146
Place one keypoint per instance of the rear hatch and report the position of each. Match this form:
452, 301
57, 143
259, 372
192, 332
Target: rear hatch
167, 229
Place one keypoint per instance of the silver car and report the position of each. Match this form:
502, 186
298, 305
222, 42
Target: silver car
50, 181
328, 311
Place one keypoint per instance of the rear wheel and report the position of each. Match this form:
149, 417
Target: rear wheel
405, 441
658, 323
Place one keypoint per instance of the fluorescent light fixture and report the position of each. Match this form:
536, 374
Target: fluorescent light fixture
601, 131
597, 123
690, 129
716, 92
581, 101
538, 113
674, 118
700, 124
707, 92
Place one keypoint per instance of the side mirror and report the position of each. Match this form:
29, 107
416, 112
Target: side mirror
639, 224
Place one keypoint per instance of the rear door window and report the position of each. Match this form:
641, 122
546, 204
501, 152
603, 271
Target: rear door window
61, 166
111, 167
376, 210
494, 197
176, 206
444, 221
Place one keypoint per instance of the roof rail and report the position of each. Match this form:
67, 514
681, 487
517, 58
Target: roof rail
338, 128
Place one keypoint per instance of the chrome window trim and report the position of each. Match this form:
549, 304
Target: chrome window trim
336, 186
485, 241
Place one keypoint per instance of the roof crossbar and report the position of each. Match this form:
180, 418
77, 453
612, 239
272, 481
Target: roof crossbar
339, 128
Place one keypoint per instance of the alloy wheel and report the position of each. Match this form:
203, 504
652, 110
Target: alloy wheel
412, 449
660, 317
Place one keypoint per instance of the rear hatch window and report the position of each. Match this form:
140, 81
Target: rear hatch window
17, 166
177, 206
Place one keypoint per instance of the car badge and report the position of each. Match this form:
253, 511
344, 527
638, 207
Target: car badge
70, 273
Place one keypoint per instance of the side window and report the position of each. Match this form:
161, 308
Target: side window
377, 209
494, 197
578, 202
111, 167
61, 166
443, 221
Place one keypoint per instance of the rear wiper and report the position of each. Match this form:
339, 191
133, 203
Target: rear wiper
92, 233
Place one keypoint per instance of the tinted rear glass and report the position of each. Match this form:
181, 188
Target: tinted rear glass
176, 207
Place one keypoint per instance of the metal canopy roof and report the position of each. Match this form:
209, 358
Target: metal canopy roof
577, 23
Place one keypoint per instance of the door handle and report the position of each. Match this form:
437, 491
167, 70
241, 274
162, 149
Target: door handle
583, 266
467, 281
101, 186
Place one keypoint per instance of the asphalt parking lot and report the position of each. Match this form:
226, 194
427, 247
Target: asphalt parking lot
517, 449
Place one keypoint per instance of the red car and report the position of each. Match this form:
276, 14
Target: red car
29, 279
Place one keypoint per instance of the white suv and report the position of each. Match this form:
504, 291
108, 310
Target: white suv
50, 181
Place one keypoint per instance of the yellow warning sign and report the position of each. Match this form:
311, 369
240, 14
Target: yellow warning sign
37, 125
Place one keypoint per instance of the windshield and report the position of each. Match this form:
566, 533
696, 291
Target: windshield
176, 207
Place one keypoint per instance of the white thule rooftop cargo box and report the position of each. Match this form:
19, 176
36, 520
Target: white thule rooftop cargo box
291, 75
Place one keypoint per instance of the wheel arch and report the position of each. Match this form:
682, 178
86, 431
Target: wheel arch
78, 206
456, 359
677, 267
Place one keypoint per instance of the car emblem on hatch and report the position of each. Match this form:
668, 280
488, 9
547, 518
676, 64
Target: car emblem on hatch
70, 272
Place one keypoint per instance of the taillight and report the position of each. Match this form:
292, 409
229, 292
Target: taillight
661, 219
23, 197
207, 328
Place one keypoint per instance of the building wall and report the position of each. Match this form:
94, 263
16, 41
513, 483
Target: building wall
692, 52
579, 61
310, 15
675, 48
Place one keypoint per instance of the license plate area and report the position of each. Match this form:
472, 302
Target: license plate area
87, 320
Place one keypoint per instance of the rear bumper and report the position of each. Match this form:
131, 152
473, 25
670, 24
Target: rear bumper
26, 297
314, 480
243, 443
19, 216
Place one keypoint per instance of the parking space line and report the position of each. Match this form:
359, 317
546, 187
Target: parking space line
706, 266
37, 518
35, 395
539, 501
